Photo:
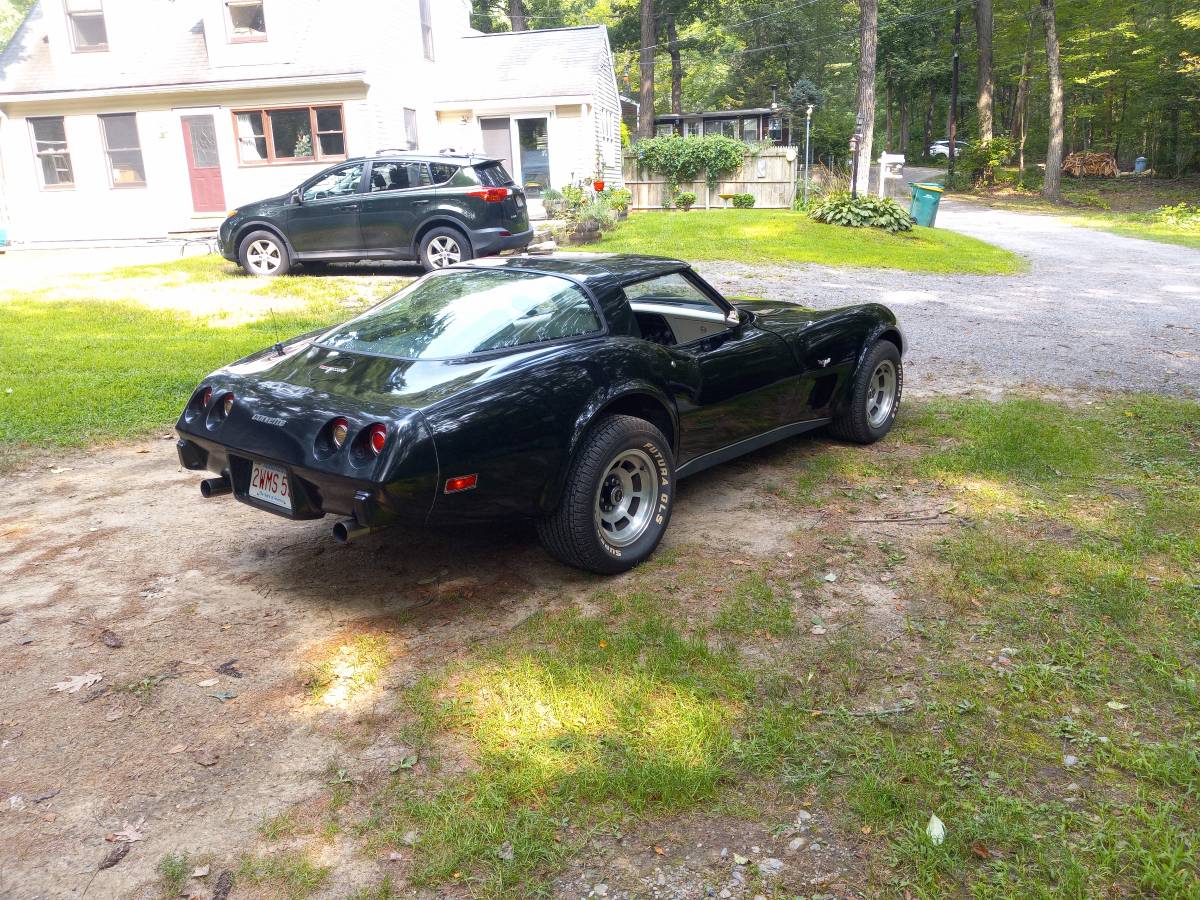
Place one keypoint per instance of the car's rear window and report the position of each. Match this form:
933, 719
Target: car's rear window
493, 175
465, 311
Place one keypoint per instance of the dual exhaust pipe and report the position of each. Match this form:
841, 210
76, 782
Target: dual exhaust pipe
345, 531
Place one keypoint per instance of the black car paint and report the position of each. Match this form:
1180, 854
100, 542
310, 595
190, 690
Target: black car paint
382, 224
514, 417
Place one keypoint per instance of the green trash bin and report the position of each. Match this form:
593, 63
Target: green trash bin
925, 199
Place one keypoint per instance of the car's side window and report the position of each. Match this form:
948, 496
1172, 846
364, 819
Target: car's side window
394, 176
339, 182
671, 310
442, 172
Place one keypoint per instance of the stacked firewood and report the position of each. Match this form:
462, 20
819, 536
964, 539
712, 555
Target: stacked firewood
1091, 164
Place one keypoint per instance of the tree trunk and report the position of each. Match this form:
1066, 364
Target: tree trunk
887, 88
646, 57
1021, 103
905, 123
868, 12
1052, 186
676, 65
516, 14
983, 29
929, 119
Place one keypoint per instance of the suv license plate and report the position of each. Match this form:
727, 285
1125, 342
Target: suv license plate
270, 484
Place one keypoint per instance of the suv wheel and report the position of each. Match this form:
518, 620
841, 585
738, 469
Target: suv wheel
264, 254
443, 247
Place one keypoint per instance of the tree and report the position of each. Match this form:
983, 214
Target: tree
1052, 185
868, 45
516, 15
676, 63
983, 31
1020, 119
649, 37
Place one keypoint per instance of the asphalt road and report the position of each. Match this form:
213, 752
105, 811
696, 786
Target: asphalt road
1095, 313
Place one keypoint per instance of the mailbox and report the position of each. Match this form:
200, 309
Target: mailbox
891, 168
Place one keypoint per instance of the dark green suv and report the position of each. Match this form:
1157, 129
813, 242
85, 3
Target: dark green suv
436, 209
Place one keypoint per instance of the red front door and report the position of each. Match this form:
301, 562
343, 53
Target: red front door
204, 165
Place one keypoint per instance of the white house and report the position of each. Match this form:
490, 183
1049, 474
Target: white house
127, 118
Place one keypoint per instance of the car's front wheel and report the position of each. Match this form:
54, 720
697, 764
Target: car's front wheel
870, 410
444, 246
617, 500
264, 254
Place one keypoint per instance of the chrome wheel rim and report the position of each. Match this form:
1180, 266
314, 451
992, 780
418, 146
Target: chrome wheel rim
881, 393
625, 499
443, 251
264, 257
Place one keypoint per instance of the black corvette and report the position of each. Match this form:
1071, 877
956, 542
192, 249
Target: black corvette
573, 390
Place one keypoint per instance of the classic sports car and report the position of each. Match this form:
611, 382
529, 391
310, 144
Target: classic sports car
572, 389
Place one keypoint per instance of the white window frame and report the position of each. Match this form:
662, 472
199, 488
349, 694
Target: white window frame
234, 37
85, 8
108, 151
38, 154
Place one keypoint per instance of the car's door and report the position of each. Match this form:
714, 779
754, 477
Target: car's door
398, 195
326, 217
748, 377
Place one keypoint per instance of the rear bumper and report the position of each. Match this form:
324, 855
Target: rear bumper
315, 493
486, 241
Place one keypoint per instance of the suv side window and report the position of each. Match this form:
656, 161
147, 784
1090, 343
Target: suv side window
442, 172
339, 182
395, 176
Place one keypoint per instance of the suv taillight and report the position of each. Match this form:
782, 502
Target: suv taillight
491, 195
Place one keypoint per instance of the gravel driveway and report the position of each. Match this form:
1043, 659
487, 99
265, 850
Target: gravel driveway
1096, 312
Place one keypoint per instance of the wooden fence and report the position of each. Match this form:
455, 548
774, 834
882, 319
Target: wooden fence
770, 177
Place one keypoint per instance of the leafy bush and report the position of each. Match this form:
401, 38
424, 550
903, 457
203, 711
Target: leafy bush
574, 195
982, 158
619, 199
679, 159
554, 202
594, 211
743, 201
864, 211
1181, 215
685, 200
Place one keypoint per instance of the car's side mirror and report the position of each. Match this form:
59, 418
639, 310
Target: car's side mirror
297, 198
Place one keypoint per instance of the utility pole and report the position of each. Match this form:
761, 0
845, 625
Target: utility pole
954, 96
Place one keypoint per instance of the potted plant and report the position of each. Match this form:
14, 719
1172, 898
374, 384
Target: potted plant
598, 185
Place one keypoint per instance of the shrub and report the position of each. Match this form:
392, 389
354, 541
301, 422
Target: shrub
619, 199
679, 159
864, 211
1181, 215
595, 213
685, 200
743, 201
982, 158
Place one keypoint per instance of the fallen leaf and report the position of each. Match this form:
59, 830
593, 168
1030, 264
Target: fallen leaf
984, 852
936, 830
223, 886
114, 856
178, 748
660, 851
208, 682
200, 872
740, 860
75, 682
126, 835
111, 639
817, 629
866, 829
228, 668
831, 577
222, 696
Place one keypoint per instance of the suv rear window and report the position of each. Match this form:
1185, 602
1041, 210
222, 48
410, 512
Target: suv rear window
493, 175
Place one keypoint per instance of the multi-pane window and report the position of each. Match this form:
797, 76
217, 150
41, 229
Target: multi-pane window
410, 128
749, 130
290, 135
50, 146
85, 20
123, 149
775, 129
247, 22
426, 29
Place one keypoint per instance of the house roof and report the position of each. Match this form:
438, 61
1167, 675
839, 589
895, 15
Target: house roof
177, 57
552, 62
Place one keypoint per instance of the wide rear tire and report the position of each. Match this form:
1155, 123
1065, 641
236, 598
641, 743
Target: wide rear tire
870, 410
617, 501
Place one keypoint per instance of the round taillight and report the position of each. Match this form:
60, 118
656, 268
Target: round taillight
338, 429
227, 405
377, 438
206, 398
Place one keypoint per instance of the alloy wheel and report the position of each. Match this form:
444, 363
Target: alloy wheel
626, 497
443, 251
264, 257
881, 393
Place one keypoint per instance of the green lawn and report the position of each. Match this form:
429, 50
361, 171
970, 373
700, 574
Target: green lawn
1039, 696
75, 369
784, 236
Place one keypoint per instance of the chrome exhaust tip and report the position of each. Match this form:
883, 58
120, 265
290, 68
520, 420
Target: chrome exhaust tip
215, 487
346, 531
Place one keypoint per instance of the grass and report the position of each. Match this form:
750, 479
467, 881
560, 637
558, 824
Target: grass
75, 370
173, 871
291, 875
1078, 553
1124, 206
353, 668
784, 236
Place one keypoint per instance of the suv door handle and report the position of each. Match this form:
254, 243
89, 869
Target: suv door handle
418, 202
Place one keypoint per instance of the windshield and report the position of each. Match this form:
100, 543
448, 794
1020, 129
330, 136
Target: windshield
465, 311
